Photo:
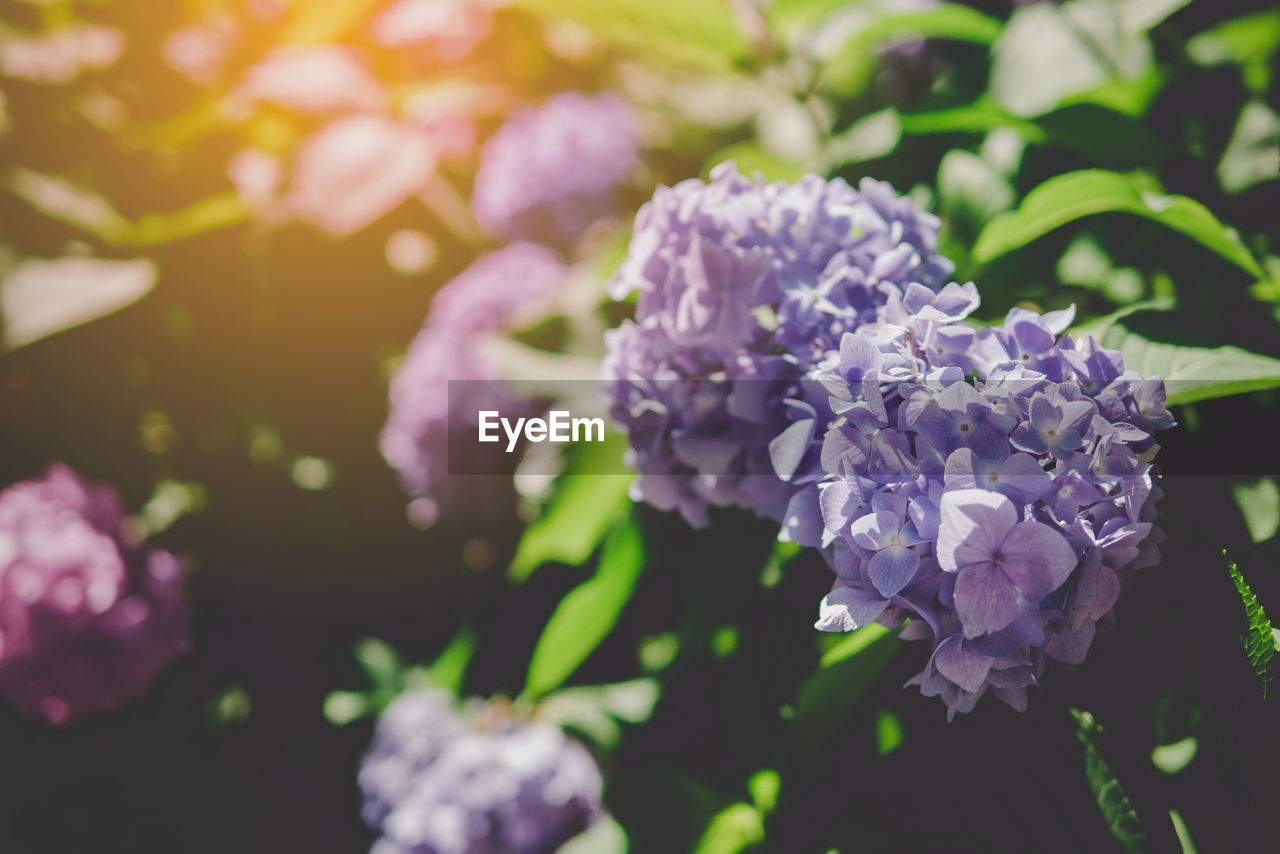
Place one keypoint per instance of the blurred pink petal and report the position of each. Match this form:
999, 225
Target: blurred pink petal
198, 51
255, 174
313, 79
453, 25
357, 169
59, 56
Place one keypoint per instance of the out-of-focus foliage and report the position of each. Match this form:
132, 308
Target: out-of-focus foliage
211, 266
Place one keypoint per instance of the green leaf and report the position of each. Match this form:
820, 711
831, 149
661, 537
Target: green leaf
343, 707
734, 829
871, 136
604, 836
1048, 53
1259, 503
1261, 642
850, 70
971, 188
381, 665
764, 787
230, 707
889, 732
828, 698
699, 30
1172, 758
981, 116
587, 613
1194, 373
450, 666
854, 643
1252, 155
1114, 804
1248, 41
589, 501
596, 709
1068, 197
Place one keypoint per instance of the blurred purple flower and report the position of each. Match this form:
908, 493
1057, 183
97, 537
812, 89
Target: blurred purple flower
481, 300
552, 171
87, 620
480, 782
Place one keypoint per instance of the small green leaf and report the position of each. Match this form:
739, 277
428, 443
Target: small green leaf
697, 30
733, 829
1180, 830
854, 643
1252, 155
829, 697
381, 664
1259, 503
1172, 758
1068, 197
971, 188
343, 707
590, 499
871, 136
889, 732
1261, 642
980, 116
587, 613
764, 787
450, 666
1193, 373
1248, 41
232, 706
604, 836
596, 709
1114, 804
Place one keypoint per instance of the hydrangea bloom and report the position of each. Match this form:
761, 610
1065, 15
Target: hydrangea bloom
87, 620
792, 349
550, 172
482, 300
741, 288
1003, 516
480, 782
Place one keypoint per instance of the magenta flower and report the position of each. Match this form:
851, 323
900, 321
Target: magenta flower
87, 620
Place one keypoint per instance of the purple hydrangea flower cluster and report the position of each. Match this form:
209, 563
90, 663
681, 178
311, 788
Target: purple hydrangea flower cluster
1004, 515
480, 782
487, 298
742, 287
551, 171
87, 618
993, 485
